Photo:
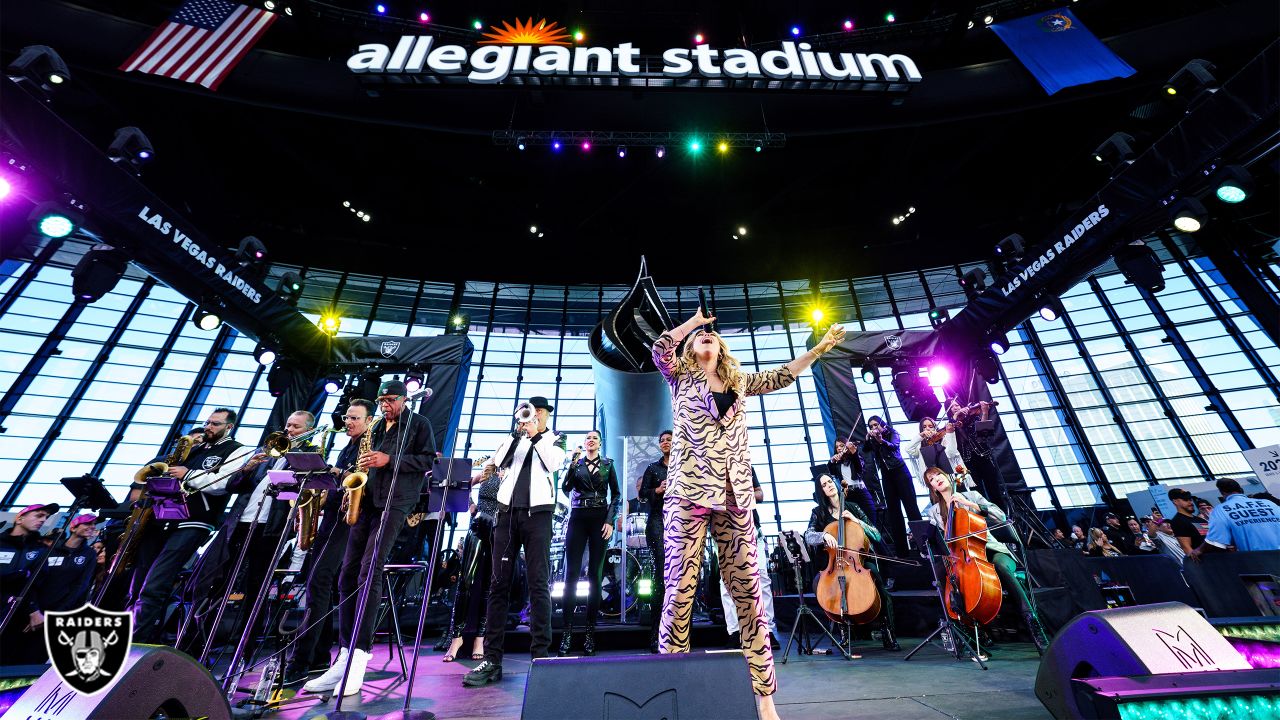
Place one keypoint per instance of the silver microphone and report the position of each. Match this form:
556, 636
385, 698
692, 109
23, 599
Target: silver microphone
425, 393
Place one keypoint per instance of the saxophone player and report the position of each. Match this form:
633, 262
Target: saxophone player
400, 452
311, 649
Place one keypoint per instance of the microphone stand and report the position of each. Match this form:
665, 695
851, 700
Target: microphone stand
405, 713
338, 713
226, 594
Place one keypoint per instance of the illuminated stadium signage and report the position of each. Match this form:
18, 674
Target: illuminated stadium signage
530, 52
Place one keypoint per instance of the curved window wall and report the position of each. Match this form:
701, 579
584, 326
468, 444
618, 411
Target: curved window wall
1133, 407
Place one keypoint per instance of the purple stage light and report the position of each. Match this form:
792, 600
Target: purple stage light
5, 188
939, 375
1258, 653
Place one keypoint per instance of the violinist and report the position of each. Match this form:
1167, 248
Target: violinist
942, 495
882, 449
826, 497
933, 447
973, 447
848, 467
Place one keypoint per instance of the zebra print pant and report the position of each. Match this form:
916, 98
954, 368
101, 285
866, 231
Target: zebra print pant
684, 527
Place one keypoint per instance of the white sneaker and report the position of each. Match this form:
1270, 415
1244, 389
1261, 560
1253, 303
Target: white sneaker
331, 677
359, 661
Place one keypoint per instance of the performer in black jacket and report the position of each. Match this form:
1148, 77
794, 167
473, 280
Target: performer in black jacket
595, 500
653, 487
402, 452
213, 574
20, 551
165, 547
881, 448
310, 652
848, 467
64, 583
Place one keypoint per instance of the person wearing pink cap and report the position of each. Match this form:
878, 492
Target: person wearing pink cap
64, 584
20, 551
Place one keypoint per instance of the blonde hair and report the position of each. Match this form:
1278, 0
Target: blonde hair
728, 369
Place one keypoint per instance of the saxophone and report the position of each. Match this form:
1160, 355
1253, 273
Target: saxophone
353, 484
310, 503
142, 512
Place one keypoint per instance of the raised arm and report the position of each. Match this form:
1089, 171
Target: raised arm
664, 348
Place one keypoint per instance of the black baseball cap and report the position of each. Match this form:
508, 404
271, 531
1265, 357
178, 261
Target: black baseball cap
540, 402
392, 388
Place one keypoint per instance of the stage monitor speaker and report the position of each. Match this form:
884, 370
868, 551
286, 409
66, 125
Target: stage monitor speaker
1153, 639
154, 679
684, 686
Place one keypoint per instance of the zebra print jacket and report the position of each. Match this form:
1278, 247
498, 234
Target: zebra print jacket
707, 450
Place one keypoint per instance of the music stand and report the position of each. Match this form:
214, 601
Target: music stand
446, 474
925, 531
89, 493
793, 546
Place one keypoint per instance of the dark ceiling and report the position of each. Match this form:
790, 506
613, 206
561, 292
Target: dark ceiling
977, 148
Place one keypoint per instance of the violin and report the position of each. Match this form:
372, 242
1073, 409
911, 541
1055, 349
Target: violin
846, 591
982, 407
939, 435
973, 592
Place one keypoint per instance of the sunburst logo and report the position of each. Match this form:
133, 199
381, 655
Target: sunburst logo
1055, 22
527, 33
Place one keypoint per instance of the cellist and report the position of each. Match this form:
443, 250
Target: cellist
826, 497
942, 495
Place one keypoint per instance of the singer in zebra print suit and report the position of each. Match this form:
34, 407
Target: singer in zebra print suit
709, 482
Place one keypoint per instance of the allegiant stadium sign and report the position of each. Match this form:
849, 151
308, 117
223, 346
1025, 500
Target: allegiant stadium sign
494, 62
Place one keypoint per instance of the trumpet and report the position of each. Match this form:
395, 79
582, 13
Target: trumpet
526, 413
353, 484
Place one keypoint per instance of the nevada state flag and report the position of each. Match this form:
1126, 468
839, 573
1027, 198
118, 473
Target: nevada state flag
1060, 51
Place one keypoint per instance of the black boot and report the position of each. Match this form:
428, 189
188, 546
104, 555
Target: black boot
445, 637
1038, 635
886, 637
566, 641
589, 641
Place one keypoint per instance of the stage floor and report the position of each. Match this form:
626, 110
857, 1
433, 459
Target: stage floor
931, 686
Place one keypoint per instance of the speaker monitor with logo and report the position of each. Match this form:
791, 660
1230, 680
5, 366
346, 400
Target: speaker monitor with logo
153, 679
686, 686
1158, 639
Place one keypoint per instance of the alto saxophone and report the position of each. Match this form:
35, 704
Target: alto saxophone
353, 484
310, 503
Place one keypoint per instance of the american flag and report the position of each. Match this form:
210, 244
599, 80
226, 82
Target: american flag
201, 42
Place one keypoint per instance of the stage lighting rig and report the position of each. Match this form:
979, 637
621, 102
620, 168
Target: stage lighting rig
1231, 184
1011, 248
973, 283
332, 384
1051, 310
279, 378
1188, 215
938, 316
870, 372
916, 397
330, 323
1140, 266
53, 220
130, 145
251, 252
1115, 151
41, 66
264, 354
414, 379
97, 272
290, 288
458, 324
208, 315
1194, 77
988, 367
999, 343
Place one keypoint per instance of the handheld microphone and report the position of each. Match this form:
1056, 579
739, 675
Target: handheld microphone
425, 393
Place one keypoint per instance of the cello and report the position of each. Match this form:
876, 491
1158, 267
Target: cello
846, 591
973, 592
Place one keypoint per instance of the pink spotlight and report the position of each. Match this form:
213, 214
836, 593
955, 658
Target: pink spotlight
586, 145
698, 39
848, 24
424, 18
939, 375
5, 187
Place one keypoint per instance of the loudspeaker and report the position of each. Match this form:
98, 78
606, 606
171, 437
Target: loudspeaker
1154, 639
154, 679
688, 686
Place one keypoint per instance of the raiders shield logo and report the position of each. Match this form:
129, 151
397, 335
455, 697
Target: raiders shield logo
88, 646
893, 342
389, 347
210, 462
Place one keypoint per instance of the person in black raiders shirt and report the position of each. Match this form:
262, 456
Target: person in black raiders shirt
1188, 527
653, 487
401, 454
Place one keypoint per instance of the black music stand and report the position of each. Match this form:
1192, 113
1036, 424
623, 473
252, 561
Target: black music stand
89, 493
446, 474
925, 531
793, 546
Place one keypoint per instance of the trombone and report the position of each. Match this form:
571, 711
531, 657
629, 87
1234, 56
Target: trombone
278, 443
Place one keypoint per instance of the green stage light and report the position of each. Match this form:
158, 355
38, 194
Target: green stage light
55, 225
644, 587
1252, 706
